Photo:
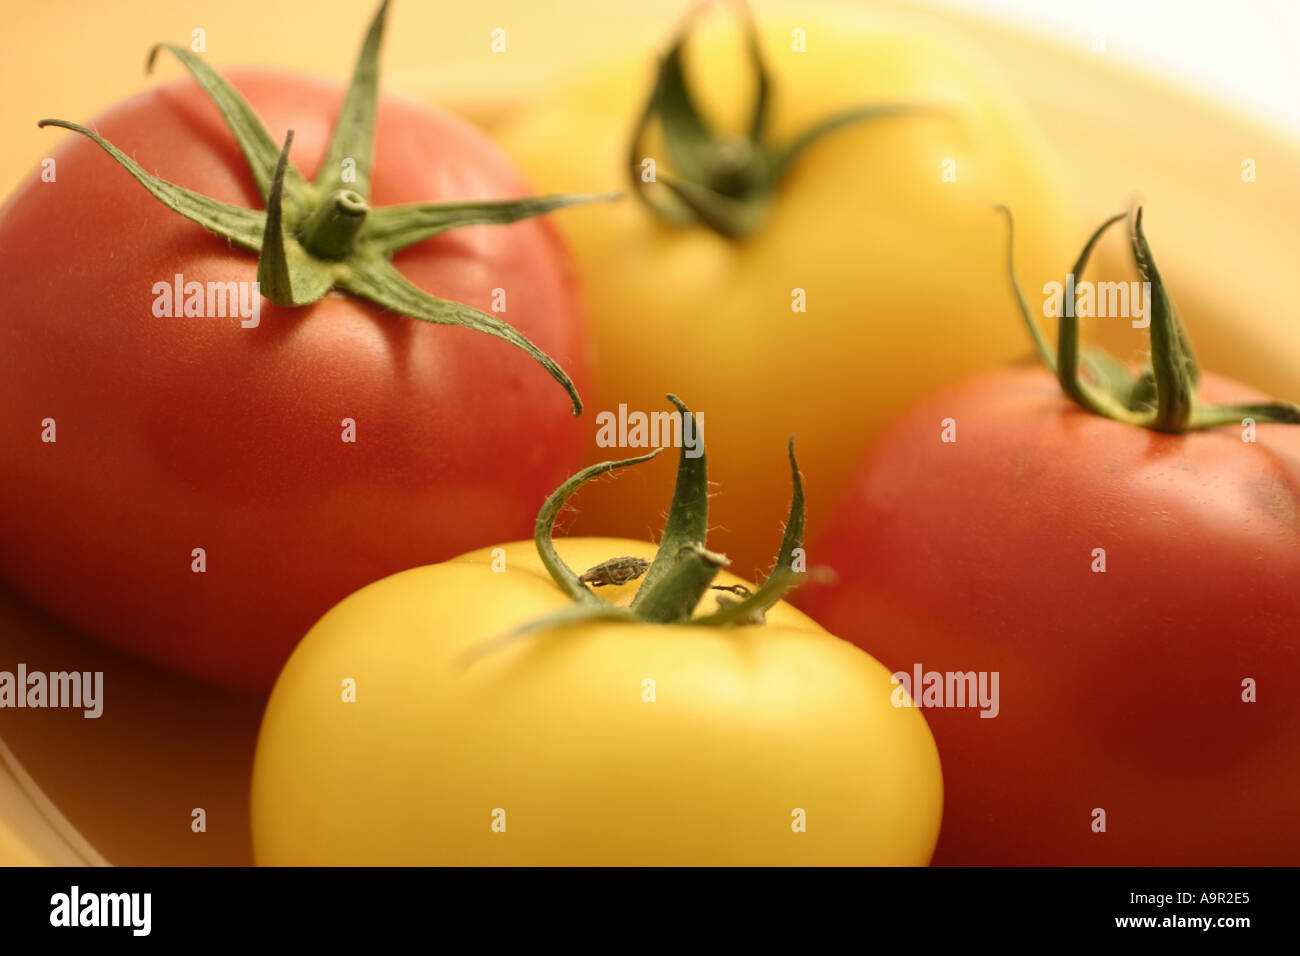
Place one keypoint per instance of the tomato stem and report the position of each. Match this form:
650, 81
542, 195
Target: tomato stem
686, 568
688, 515
316, 237
331, 230
683, 569
1162, 395
675, 595
724, 181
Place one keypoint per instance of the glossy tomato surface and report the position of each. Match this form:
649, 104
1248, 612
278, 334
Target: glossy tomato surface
182, 433
1121, 690
404, 732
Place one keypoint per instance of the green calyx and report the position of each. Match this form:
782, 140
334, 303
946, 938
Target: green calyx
316, 237
723, 181
683, 570
1161, 396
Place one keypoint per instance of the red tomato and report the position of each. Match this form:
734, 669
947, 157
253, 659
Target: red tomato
1120, 691
182, 433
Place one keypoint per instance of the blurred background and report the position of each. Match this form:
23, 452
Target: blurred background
72, 58
1238, 55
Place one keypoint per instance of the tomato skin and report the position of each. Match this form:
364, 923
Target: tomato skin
747, 725
1119, 690
903, 272
181, 433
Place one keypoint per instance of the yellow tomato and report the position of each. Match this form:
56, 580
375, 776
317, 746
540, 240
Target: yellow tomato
884, 230
599, 743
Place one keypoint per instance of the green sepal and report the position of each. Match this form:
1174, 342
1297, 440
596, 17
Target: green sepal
688, 515
241, 226
687, 135
753, 606
1031, 324
316, 238
378, 280
686, 578
1109, 374
354, 133
762, 79
1263, 413
683, 569
729, 218
783, 158
1172, 362
719, 180
783, 576
391, 228
254, 141
286, 274
564, 576
1067, 331
1162, 395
